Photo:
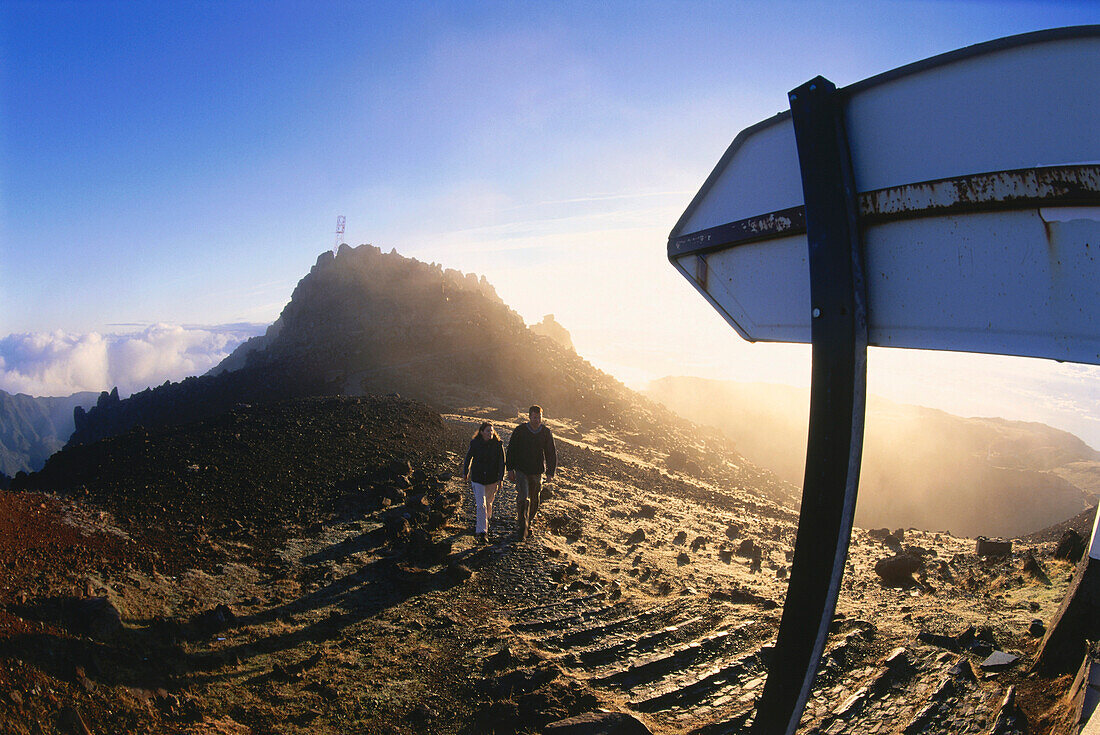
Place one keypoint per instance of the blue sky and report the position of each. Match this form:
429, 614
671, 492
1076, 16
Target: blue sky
183, 163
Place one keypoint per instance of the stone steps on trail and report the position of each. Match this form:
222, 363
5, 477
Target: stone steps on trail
534, 611
698, 663
608, 652
715, 685
599, 632
574, 619
682, 656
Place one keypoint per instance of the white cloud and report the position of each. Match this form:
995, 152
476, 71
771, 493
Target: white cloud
60, 363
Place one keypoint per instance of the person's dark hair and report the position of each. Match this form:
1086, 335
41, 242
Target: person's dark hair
535, 409
482, 428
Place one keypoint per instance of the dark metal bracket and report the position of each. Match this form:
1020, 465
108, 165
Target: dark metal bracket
837, 402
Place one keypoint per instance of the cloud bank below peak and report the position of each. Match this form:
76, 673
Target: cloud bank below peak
61, 363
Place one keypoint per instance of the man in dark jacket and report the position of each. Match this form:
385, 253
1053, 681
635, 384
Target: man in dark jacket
530, 453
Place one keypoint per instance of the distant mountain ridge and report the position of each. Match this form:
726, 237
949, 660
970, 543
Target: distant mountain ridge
921, 467
32, 428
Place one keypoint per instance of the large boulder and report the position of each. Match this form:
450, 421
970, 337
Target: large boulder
1070, 547
897, 571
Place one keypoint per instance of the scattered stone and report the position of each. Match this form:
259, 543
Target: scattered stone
742, 596
1033, 567
683, 559
963, 670
598, 723
757, 560
878, 534
1010, 719
733, 531
999, 661
746, 548
992, 547
897, 660
579, 585
214, 621
899, 533
645, 510
94, 616
324, 689
500, 716
457, 573
893, 543
70, 721
1037, 629
781, 572
680, 537
698, 543
397, 526
852, 704
83, 680
422, 713
283, 673
502, 659
522, 680
950, 642
1071, 546
726, 555
637, 537
897, 571
418, 503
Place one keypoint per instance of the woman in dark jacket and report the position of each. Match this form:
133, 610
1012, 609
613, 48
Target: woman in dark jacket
484, 469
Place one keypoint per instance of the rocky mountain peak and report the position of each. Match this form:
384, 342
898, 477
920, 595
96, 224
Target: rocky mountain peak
367, 322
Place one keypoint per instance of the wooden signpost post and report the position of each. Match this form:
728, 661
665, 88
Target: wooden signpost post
952, 204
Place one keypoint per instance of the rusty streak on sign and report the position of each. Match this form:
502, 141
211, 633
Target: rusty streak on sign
1055, 186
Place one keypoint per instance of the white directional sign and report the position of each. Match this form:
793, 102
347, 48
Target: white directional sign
951, 204
978, 175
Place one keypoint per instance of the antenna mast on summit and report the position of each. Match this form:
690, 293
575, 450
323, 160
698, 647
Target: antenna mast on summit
340, 221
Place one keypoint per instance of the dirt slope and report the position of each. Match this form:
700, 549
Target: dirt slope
644, 589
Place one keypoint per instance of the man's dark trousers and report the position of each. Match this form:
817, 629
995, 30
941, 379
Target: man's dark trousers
528, 490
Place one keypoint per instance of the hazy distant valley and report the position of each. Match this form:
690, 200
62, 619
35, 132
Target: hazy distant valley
283, 545
31, 429
921, 467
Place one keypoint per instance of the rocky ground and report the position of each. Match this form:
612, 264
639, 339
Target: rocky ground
643, 589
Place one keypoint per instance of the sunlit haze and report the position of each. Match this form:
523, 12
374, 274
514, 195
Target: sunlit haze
173, 164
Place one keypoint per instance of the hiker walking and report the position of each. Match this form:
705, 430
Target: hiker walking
530, 453
484, 469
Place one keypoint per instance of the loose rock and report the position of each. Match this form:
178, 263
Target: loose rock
598, 723
897, 571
